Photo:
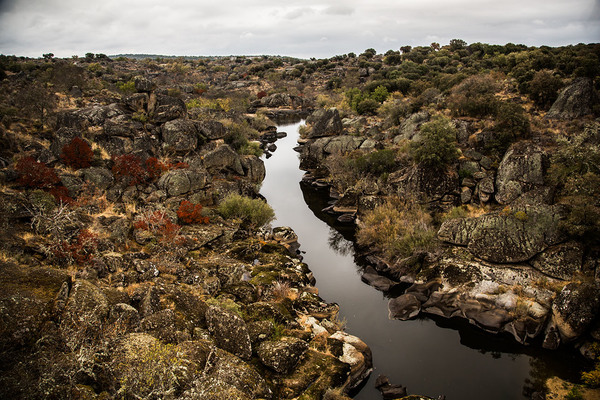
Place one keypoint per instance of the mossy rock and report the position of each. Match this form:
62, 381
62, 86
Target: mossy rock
317, 373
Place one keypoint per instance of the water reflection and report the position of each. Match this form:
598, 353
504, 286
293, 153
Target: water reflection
339, 244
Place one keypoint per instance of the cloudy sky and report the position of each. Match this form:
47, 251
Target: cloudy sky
300, 28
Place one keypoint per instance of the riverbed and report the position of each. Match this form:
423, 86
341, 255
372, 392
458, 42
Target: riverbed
429, 356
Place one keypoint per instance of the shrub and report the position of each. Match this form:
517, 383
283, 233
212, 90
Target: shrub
375, 163
474, 97
397, 229
261, 94
61, 194
543, 88
155, 168
367, 107
79, 250
190, 213
254, 213
34, 174
437, 146
77, 154
126, 87
129, 167
237, 137
160, 225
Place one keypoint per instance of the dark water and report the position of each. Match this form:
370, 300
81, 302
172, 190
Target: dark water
429, 356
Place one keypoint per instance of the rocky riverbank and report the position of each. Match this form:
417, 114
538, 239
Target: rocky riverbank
507, 264
121, 278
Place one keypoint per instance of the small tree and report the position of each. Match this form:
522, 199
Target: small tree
437, 146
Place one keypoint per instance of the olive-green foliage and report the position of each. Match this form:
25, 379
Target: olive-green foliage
237, 137
375, 163
253, 213
226, 304
575, 170
367, 106
437, 145
126, 87
543, 88
574, 394
511, 122
397, 229
367, 102
393, 111
474, 97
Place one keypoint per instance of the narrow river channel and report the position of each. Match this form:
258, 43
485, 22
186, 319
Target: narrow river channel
429, 356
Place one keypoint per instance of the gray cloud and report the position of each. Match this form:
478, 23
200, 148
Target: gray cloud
299, 28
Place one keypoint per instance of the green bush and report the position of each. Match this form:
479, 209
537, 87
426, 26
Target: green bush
437, 145
253, 213
543, 88
126, 87
375, 163
367, 107
474, 97
237, 137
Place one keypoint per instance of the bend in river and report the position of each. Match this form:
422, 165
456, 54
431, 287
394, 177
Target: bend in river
429, 356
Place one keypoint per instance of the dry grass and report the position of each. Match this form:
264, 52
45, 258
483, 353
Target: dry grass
397, 228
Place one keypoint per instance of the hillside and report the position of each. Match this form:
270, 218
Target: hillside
134, 250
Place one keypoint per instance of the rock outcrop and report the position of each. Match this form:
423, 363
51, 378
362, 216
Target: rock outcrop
574, 101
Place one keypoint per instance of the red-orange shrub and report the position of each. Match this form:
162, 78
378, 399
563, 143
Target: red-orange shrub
129, 167
61, 194
77, 154
179, 165
80, 250
190, 213
155, 168
160, 225
261, 94
35, 174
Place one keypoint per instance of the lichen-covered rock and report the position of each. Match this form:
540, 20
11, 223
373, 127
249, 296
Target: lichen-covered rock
143, 84
229, 331
180, 136
505, 238
231, 370
223, 158
254, 168
409, 127
521, 170
182, 181
282, 355
574, 101
86, 305
425, 181
166, 108
574, 309
124, 316
560, 261
317, 373
212, 130
26, 301
323, 122
101, 178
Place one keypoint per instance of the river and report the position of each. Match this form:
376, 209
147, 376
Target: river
429, 356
